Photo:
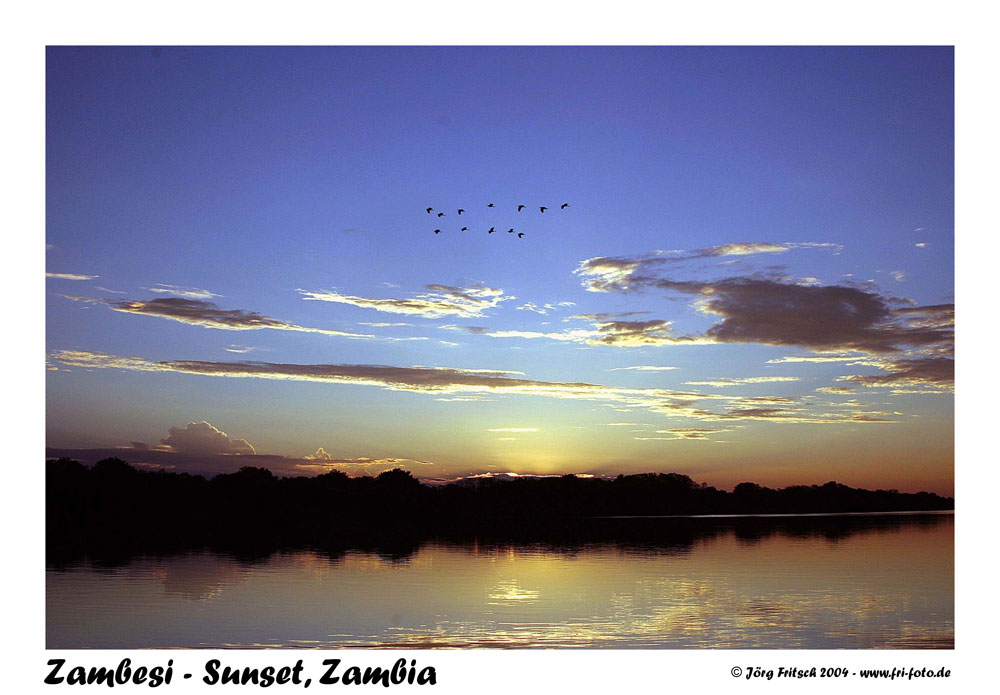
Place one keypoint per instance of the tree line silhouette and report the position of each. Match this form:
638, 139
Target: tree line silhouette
114, 509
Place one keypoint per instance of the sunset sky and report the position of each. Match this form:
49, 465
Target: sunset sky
753, 279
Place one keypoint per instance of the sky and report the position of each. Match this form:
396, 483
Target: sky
753, 278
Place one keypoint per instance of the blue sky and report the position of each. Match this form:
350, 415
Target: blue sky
256, 179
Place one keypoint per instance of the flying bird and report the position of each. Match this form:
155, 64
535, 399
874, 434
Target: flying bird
543, 208
520, 234
520, 207
510, 231
490, 205
429, 210
440, 214
465, 229
564, 206
460, 211
437, 231
492, 229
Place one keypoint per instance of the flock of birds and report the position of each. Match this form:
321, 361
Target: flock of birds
541, 209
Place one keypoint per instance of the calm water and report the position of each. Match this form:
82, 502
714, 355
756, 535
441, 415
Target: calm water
877, 582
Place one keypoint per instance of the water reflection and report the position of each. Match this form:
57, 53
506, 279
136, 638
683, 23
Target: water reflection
763, 582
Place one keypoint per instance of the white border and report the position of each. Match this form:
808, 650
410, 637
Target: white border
30, 28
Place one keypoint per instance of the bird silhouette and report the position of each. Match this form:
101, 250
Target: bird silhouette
520, 207
520, 234
492, 229
465, 229
437, 231
564, 206
510, 231
543, 209
440, 214
429, 210
490, 205
460, 211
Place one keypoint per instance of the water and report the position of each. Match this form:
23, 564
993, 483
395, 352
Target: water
880, 581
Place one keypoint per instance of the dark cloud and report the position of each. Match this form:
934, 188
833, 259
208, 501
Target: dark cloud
760, 309
822, 318
935, 372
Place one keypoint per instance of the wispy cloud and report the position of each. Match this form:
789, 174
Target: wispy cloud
696, 433
740, 381
443, 381
609, 274
513, 429
70, 276
322, 461
612, 333
545, 308
643, 368
816, 359
438, 301
186, 292
209, 315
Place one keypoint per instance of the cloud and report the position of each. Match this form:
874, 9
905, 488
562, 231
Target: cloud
643, 368
841, 390
186, 292
320, 455
822, 318
444, 381
438, 381
739, 381
323, 461
70, 276
700, 433
928, 372
382, 324
922, 245
545, 308
816, 358
608, 274
207, 314
605, 332
438, 301
513, 429
203, 438
898, 275
795, 415
475, 330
